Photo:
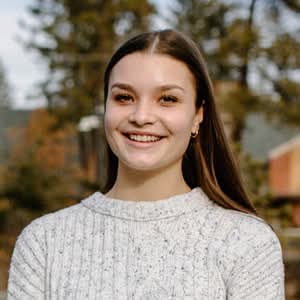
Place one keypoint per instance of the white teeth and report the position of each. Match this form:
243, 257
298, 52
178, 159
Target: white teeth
143, 138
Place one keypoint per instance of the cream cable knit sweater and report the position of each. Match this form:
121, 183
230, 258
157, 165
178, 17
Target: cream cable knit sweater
183, 247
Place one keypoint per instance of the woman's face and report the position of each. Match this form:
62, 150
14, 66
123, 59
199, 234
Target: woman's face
150, 111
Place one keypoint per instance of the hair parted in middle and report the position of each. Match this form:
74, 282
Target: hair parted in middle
208, 161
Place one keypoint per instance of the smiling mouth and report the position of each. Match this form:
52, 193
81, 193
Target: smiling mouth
143, 138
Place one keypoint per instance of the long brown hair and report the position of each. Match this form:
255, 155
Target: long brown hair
208, 161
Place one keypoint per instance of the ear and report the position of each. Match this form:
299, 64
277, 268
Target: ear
198, 117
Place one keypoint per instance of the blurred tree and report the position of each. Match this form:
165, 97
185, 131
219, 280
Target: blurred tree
279, 61
240, 42
75, 38
5, 93
42, 173
228, 38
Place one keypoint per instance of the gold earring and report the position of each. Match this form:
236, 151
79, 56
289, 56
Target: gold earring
194, 134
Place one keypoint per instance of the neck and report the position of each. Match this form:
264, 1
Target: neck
148, 186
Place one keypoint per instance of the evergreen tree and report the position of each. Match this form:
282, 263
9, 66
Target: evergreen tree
233, 37
228, 38
76, 38
280, 62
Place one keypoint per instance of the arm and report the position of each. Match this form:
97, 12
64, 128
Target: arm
258, 272
27, 268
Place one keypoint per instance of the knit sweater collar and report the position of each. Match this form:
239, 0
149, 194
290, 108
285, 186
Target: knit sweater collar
147, 210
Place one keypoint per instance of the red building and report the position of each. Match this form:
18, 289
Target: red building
284, 175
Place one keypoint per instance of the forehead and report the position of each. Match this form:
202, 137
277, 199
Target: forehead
142, 68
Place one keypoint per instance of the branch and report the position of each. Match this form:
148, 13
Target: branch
293, 5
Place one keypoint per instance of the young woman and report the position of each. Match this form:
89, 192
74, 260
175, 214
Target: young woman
174, 221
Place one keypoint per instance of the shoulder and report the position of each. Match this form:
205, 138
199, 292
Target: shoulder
232, 227
242, 240
46, 221
245, 230
50, 223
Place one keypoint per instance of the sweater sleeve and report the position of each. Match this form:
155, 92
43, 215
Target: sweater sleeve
27, 267
258, 271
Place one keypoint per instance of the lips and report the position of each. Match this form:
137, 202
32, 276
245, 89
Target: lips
142, 137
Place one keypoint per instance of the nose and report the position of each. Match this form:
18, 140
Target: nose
142, 114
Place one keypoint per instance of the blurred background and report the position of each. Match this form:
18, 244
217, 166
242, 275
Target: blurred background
52, 57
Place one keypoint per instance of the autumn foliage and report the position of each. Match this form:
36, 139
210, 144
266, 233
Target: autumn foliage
42, 173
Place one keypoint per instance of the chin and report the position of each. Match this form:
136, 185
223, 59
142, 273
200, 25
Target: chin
142, 166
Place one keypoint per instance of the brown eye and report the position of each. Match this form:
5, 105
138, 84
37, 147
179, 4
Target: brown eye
123, 98
168, 99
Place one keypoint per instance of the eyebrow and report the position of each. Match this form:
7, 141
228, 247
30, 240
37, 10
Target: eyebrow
130, 88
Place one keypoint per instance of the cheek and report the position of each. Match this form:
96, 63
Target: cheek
109, 127
107, 122
110, 121
181, 125
111, 117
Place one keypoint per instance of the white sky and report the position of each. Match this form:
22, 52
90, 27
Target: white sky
23, 68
